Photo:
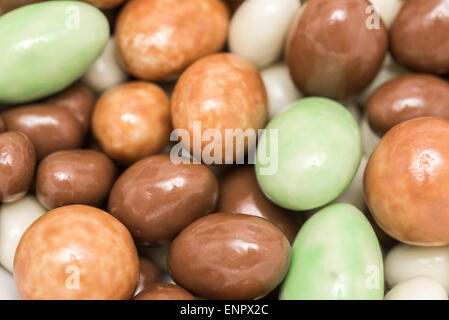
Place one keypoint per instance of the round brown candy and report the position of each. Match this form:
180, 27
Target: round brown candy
105, 4
156, 198
164, 291
17, 164
49, 128
229, 256
331, 52
158, 39
407, 97
149, 273
240, 193
406, 182
74, 177
132, 121
419, 36
76, 252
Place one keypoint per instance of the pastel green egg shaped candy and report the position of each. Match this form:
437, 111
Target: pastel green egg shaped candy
44, 47
336, 255
308, 154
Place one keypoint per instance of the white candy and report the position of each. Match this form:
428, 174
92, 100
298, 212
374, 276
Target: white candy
369, 138
404, 262
281, 90
354, 194
387, 9
258, 29
8, 289
106, 72
420, 288
15, 218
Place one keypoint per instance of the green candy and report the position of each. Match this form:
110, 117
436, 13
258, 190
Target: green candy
336, 255
46, 46
308, 154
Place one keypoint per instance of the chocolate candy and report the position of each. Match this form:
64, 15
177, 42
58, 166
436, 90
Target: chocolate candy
158, 39
132, 121
156, 198
17, 164
240, 193
48, 127
164, 291
419, 36
77, 264
229, 256
105, 4
149, 273
74, 177
220, 92
406, 182
321, 51
420, 288
407, 97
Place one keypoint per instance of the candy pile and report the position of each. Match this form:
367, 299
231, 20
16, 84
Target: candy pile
211, 149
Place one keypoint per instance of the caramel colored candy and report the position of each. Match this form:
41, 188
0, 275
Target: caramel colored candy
333, 50
407, 97
219, 92
76, 252
17, 164
132, 121
48, 127
229, 256
149, 273
164, 291
74, 177
158, 39
406, 182
105, 4
419, 36
156, 198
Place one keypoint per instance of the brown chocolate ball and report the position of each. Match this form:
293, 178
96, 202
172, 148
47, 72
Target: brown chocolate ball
149, 273
74, 177
407, 97
164, 291
330, 49
17, 164
76, 252
419, 36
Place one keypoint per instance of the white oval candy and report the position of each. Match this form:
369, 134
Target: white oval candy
420, 288
8, 289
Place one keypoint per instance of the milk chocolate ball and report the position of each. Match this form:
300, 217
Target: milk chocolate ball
407, 97
132, 121
419, 36
158, 39
156, 198
76, 252
334, 49
164, 291
406, 182
74, 177
149, 273
17, 164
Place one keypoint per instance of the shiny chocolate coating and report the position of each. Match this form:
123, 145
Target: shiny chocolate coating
240, 193
164, 291
149, 273
229, 256
49, 128
419, 36
17, 164
74, 177
407, 97
406, 182
76, 252
156, 198
158, 39
330, 50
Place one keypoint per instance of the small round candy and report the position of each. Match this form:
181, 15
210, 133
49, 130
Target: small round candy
149, 273
407, 97
8, 289
331, 51
76, 252
308, 154
49, 128
164, 291
406, 182
419, 36
132, 121
17, 164
74, 177
229, 256
105, 4
218, 93
420, 288
156, 198
158, 39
